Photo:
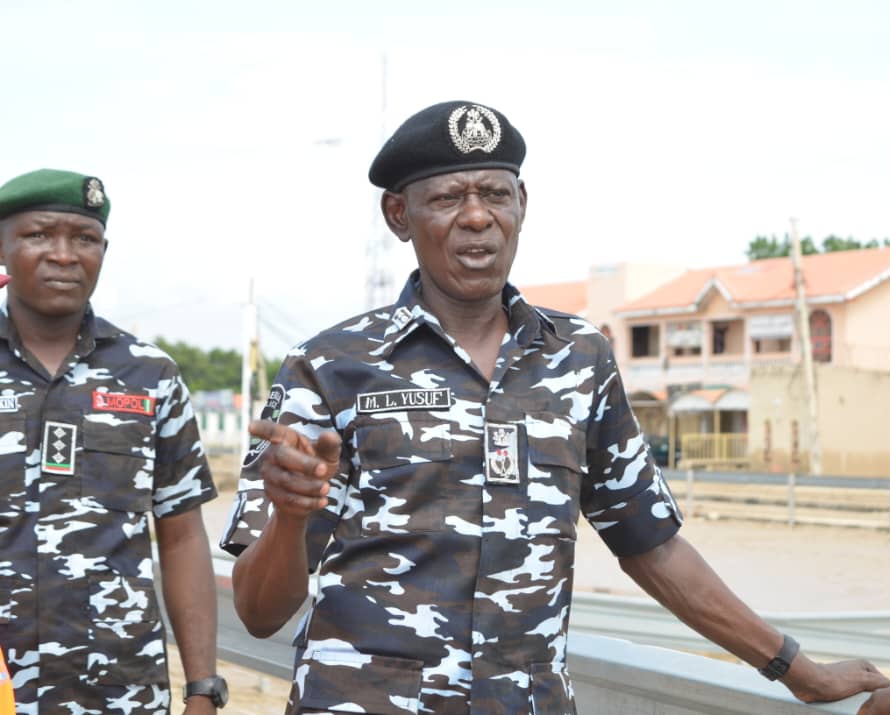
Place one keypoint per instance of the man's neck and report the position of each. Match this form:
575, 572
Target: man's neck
48, 338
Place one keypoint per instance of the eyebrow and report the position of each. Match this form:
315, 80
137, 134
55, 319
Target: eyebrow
45, 221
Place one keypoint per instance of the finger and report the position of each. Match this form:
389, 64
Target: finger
294, 492
296, 504
327, 448
273, 432
299, 460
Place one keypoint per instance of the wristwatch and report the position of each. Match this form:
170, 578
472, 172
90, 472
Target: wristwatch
213, 687
779, 665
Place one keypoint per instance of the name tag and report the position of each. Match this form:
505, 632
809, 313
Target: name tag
9, 403
397, 400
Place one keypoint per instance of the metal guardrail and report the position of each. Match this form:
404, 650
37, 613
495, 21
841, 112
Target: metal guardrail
825, 636
736, 477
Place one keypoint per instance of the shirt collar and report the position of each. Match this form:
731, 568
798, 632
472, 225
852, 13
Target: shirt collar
92, 328
408, 313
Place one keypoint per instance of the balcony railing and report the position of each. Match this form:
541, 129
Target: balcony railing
714, 449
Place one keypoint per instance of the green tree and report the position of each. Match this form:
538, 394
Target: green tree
216, 369
771, 247
836, 243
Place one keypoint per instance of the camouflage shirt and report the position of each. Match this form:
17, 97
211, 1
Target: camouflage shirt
84, 457
445, 554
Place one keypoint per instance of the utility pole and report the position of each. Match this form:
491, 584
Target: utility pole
248, 352
378, 281
806, 351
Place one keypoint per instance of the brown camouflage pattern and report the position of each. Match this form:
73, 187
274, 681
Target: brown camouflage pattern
439, 591
79, 619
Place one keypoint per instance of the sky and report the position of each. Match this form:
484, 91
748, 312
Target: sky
234, 138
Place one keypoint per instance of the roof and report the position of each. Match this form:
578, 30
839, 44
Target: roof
834, 277
566, 297
707, 400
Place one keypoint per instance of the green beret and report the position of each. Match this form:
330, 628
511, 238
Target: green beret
53, 190
444, 138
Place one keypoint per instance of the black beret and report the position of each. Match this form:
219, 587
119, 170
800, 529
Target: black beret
447, 137
54, 190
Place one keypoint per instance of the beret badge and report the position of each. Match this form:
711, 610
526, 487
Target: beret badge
480, 129
93, 192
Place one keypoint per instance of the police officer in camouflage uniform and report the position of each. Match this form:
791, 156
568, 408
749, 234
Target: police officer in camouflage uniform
96, 432
430, 459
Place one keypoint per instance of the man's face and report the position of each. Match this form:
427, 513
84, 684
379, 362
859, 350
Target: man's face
465, 230
53, 259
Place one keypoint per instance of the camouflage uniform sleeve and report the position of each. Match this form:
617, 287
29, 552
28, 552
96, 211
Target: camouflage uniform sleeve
295, 400
182, 476
626, 498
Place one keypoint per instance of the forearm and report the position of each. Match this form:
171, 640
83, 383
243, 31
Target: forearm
676, 576
189, 591
270, 578
680, 579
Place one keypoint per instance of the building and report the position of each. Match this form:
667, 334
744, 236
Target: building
711, 357
698, 347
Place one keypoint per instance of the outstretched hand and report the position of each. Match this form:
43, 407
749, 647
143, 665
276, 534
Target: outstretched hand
296, 471
836, 681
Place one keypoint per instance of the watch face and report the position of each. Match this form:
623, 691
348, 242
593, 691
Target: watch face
222, 694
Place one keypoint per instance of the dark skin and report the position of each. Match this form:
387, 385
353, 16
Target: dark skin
464, 228
54, 259
877, 704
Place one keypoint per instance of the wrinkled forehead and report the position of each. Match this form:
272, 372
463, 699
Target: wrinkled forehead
57, 218
465, 180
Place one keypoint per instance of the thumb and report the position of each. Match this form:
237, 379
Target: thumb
327, 448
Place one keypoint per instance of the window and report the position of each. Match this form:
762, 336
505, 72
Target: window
727, 337
684, 338
772, 345
820, 335
644, 340
771, 332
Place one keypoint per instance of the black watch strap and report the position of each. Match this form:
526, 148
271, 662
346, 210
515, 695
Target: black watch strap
779, 665
213, 687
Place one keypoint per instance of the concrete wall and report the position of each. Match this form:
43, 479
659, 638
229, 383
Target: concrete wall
852, 418
864, 335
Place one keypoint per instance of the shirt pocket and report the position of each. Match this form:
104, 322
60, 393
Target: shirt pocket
556, 450
349, 681
117, 464
126, 635
403, 480
12, 462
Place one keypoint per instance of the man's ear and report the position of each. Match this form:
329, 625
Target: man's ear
523, 202
394, 207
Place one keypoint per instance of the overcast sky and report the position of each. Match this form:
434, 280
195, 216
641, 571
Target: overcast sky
234, 138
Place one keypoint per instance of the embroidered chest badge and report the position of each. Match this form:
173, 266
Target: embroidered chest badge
59, 444
501, 453
398, 400
123, 402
